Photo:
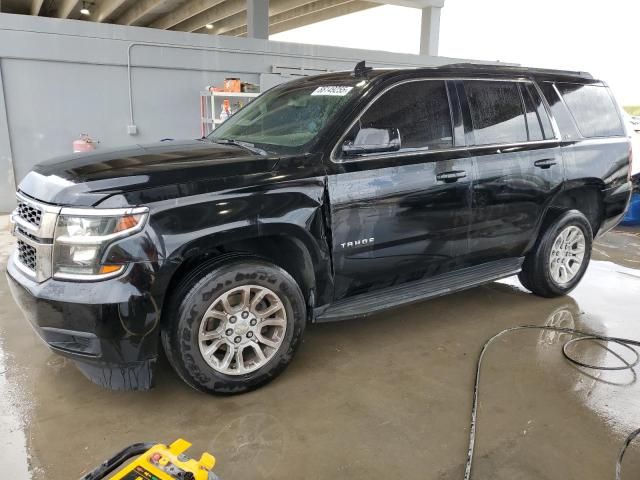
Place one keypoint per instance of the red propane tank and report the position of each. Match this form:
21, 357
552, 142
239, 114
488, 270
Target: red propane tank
84, 144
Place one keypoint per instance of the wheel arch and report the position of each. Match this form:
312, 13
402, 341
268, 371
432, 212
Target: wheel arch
587, 199
287, 246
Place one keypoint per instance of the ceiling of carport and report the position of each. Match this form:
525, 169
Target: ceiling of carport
226, 17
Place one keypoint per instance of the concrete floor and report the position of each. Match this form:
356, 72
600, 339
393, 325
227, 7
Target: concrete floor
387, 396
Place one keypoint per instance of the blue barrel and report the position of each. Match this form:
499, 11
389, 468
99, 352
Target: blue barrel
633, 214
632, 217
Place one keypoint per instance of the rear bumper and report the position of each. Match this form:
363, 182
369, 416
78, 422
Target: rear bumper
108, 328
616, 202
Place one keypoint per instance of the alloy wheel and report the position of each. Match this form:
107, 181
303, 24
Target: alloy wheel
242, 329
567, 255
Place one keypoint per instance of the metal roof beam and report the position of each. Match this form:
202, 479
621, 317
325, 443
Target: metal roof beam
36, 5
289, 21
66, 7
138, 10
304, 15
184, 12
226, 24
212, 15
239, 20
106, 8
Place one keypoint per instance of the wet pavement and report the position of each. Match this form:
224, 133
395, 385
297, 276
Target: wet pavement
387, 396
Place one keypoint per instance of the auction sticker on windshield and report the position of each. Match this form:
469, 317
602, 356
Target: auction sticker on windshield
334, 91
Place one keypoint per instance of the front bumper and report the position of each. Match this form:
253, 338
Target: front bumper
109, 328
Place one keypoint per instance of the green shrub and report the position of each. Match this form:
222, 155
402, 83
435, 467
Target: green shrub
633, 109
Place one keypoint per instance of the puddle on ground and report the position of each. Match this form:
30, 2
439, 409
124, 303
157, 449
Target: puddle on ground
15, 459
604, 307
391, 393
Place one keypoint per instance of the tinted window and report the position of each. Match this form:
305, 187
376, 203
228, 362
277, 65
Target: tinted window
593, 109
496, 112
558, 110
533, 121
420, 112
538, 121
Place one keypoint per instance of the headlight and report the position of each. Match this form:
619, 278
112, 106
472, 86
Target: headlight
82, 236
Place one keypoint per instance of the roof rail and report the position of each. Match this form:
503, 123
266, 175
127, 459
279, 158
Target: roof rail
516, 68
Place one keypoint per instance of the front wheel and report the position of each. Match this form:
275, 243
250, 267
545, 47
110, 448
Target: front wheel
234, 327
560, 257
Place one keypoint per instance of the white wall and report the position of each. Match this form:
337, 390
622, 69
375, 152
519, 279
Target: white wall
61, 78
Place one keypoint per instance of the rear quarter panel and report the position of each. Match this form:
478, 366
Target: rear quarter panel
600, 163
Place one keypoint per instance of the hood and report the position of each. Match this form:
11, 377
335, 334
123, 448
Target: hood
88, 179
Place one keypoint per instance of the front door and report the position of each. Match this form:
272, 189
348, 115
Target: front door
403, 215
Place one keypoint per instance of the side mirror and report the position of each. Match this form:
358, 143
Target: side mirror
373, 140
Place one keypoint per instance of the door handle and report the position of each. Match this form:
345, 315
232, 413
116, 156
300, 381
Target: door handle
545, 163
452, 176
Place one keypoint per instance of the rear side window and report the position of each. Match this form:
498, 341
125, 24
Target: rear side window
538, 121
497, 114
558, 110
420, 112
592, 109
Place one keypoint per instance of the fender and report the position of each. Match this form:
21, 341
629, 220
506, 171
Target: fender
226, 221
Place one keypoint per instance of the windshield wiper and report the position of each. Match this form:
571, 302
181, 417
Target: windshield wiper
246, 145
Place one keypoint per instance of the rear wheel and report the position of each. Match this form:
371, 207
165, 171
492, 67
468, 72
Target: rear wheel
560, 257
234, 327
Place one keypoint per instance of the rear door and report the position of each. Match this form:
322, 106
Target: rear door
401, 216
599, 155
517, 161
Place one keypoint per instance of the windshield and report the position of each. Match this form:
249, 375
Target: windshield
287, 118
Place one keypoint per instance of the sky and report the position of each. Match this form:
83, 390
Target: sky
598, 36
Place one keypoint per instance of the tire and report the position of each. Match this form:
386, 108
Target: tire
199, 350
538, 274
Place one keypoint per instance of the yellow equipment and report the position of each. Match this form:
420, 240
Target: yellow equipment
156, 462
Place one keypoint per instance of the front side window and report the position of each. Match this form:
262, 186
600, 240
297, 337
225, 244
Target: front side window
593, 109
497, 114
415, 114
287, 118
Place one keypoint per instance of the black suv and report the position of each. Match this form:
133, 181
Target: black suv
326, 198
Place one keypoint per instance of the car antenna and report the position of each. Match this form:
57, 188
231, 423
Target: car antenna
361, 70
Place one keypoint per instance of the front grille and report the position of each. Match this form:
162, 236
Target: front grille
29, 213
27, 234
27, 255
34, 228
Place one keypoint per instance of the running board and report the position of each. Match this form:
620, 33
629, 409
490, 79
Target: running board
392, 297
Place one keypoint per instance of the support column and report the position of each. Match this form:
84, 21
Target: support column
258, 19
430, 31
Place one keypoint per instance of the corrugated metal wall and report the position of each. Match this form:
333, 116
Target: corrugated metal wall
61, 78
